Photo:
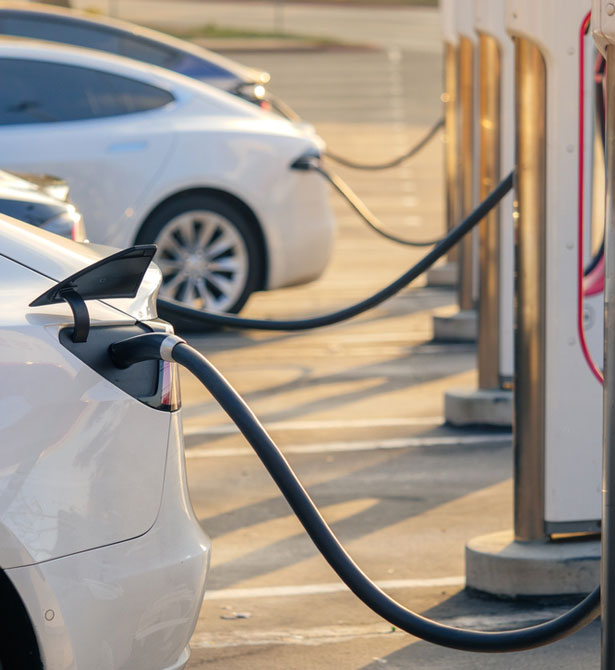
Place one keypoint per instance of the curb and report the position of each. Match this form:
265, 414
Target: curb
258, 45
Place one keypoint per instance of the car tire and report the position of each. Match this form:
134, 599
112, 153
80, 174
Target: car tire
208, 252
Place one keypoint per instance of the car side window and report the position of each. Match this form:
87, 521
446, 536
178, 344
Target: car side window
41, 92
66, 31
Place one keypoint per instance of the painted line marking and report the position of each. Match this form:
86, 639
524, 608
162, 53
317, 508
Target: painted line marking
319, 635
230, 429
335, 587
367, 445
292, 636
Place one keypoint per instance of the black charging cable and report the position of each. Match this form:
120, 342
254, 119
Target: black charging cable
173, 348
173, 310
362, 210
431, 133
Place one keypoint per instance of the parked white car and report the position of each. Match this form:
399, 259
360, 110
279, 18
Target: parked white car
153, 156
102, 562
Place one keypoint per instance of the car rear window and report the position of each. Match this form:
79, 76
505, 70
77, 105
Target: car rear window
42, 92
68, 30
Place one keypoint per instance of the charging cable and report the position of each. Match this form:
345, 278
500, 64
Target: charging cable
171, 309
361, 209
172, 348
431, 133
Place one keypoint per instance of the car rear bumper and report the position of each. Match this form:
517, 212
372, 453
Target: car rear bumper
131, 605
300, 249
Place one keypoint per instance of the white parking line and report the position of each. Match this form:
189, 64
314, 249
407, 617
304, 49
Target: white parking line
335, 587
367, 445
292, 636
319, 635
330, 424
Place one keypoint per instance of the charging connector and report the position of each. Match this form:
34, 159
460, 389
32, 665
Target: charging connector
143, 347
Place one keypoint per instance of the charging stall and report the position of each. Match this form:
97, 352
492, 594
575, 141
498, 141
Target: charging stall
491, 404
558, 399
457, 20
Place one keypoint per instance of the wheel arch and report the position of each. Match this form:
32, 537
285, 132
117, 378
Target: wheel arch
19, 647
231, 200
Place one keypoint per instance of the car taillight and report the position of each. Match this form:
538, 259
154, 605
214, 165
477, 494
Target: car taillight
170, 399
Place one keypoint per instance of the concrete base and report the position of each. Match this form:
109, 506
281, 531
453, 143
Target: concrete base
484, 407
459, 327
498, 565
443, 276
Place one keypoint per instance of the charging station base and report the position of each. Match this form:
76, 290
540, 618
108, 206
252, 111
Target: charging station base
459, 327
479, 407
498, 565
442, 276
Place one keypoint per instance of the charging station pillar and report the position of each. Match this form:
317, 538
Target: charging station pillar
558, 407
463, 324
446, 274
491, 404
603, 31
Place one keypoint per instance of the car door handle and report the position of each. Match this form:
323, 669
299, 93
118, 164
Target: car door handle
127, 147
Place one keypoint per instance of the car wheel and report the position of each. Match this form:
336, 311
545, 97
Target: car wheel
207, 251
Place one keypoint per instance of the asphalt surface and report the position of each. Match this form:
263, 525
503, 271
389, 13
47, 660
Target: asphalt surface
357, 407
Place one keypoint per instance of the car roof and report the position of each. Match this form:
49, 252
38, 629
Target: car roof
181, 86
237, 70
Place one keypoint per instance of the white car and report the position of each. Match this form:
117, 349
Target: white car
153, 156
102, 562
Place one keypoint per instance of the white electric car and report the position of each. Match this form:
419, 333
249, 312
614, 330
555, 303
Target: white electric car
102, 563
153, 156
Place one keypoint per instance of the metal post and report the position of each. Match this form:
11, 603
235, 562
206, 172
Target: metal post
451, 154
603, 30
530, 331
489, 59
608, 458
466, 157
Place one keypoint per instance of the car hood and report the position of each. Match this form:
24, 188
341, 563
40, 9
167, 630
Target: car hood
57, 258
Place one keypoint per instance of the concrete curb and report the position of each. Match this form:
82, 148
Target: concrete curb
247, 45
459, 327
498, 565
479, 407
442, 276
